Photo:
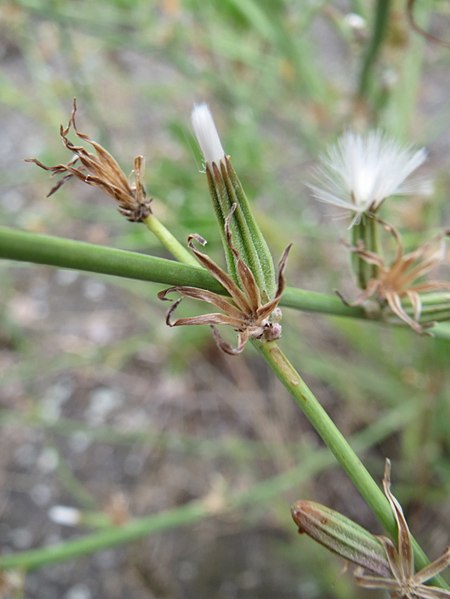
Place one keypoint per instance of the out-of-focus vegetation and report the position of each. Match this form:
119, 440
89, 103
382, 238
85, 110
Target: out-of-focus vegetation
101, 405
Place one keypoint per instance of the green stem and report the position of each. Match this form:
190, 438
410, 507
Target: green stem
136, 529
67, 253
313, 301
379, 30
24, 246
373, 244
326, 428
365, 233
262, 492
170, 242
359, 266
335, 441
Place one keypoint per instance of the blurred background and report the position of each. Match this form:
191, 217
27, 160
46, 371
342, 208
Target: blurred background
106, 410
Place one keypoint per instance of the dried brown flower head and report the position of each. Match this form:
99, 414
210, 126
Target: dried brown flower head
244, 312
403, 583
101, 170
402, 278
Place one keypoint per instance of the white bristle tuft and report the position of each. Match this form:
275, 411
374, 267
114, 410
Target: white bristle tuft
206, 134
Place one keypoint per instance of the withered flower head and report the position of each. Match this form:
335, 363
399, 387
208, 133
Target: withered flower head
101, 170
402, 278
244, 312
403, 582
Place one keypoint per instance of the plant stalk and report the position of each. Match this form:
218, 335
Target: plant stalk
170, 242
380, 26
261, 493
365, 233
336, 443
24, 246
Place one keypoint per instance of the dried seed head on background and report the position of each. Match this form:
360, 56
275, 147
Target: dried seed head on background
402, 278
101, 170
245, 312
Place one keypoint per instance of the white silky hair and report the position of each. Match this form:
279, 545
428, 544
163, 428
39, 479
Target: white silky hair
360, 171
206, 133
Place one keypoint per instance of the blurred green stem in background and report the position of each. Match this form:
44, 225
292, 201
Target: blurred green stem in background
381, 23
261, 493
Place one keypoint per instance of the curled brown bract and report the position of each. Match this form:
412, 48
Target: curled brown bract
101, 170
244, 311
402, 278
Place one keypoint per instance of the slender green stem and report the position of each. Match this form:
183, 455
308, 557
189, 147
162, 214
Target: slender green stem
335, 441
326, 428
67, 253
262, 492
401, 108
373, 244
313, 301
24, 246
360, 267
365, 233
136, 529
379, 30
170, 242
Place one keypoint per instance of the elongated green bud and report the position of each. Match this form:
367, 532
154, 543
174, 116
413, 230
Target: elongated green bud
226, 190
341, 536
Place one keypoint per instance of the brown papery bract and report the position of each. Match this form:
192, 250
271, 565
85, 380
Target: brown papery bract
101, 170
244, 312
402, 278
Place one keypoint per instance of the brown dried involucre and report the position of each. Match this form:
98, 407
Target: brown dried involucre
101, 170
403, 277
244, 312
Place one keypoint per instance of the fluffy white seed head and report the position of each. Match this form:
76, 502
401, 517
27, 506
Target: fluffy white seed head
206, 133
361, 171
